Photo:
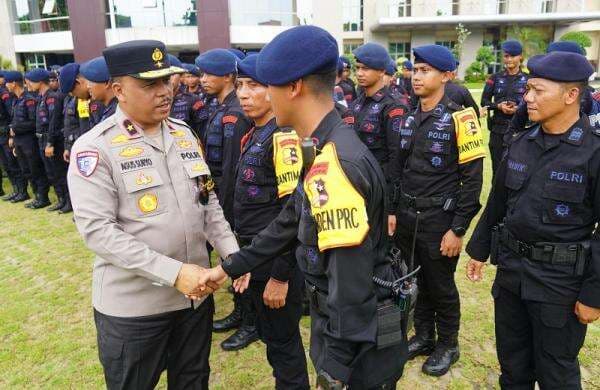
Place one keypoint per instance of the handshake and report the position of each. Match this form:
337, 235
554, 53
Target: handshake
196, 282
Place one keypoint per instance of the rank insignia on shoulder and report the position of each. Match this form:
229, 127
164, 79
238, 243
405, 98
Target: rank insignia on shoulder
184, 144
148, 203
87, 161
130, 128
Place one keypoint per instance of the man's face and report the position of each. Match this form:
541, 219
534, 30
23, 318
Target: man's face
146, 101
426, 79
53, 84
97, 90
213, 84
254, 98
366, 76
193, 80
280, 103
511, 62
80, 88
175, 82
406, 73
11, 86
345, 73
33, 86
544, 99
2, 81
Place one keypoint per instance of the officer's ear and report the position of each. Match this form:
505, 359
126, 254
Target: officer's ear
446, 77
572, 92
295, 88
116, 84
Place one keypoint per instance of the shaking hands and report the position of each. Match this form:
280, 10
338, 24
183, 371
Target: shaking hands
196, 282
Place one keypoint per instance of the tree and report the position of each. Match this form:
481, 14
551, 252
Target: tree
532, 39
478, 70
5, 63
578, 37
461, 36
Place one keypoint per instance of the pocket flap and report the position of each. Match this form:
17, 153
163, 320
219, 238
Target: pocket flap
554, 316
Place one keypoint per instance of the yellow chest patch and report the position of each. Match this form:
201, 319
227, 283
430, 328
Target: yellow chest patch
131, 152
469, 137
338, 209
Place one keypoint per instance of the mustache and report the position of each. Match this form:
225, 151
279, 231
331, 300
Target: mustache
166, 100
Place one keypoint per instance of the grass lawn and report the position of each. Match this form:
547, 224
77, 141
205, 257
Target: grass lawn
48, 339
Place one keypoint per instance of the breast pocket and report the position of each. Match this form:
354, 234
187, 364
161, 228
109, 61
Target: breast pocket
436, 154
563, 203
147, 196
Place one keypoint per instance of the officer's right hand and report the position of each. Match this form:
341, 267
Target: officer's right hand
11, 143
586, 314
188, 280
66, 155
475, 270
391, 225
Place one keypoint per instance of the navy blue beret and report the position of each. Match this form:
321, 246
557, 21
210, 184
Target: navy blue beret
176, 64
437, 56
238, 53
95, 70
247, 68
1, 73
191, 68
560, 66
37, 75
346, 61
218, 62
407, 65
295, 53
10, 76
391, 68
512, 47
568, 46
67, 76
372, 55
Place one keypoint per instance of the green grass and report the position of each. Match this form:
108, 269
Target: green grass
48, 339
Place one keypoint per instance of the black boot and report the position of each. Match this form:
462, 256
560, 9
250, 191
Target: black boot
12, 195
22, 195
444, 356
422, 343
2, 193
232, 321
67, 208
40, 202
59, 205
242, 337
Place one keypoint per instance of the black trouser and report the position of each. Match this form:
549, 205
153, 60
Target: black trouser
28, 156
55, 166
536, 341
279, 329
438, 302
11, 167
497, 144
135, 351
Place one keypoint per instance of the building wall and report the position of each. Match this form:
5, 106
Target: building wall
7, 48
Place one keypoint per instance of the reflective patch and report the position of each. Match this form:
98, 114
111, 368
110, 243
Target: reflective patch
87, 161
469, 137
148, 203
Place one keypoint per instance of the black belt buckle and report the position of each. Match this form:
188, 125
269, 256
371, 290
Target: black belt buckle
410, 201
523, 248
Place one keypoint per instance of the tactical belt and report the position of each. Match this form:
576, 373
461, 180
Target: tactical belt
425, 203
563, 253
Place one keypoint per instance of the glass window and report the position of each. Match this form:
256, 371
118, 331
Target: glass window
399, 50
263, 13
400, 8
349, 47
502, 6
152, 13
547, 6
39, 16
352, 14
35, 60
448, 44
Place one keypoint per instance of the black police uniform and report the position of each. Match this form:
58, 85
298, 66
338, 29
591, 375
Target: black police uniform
431, 185
547, 198
75, 125
349, 89
461, 96
256, 204
7, 159
501, 87
48, 130
27, 149
191, 109
377, 121
99, 112
225, 129
344, 298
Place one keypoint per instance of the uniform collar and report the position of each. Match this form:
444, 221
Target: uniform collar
133, 130
574, 135
379, 95
323, 130
229, 99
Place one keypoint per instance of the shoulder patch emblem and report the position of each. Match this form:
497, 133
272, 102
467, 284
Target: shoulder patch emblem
230, 119
87, 161
396, 112
148, 203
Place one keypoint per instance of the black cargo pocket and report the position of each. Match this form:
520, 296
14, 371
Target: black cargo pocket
562, 334
110, 352
515, 180
563, 203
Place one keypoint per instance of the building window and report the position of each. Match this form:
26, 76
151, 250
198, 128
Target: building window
400, 8
349, 47
150, 13
399, 50
448, 44
352, 13
455, 7
501, 6
39, 16
263, 13
35, 60
547, 6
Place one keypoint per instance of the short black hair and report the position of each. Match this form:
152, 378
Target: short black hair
321, 83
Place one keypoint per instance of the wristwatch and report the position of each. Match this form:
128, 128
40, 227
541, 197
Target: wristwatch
459, 231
